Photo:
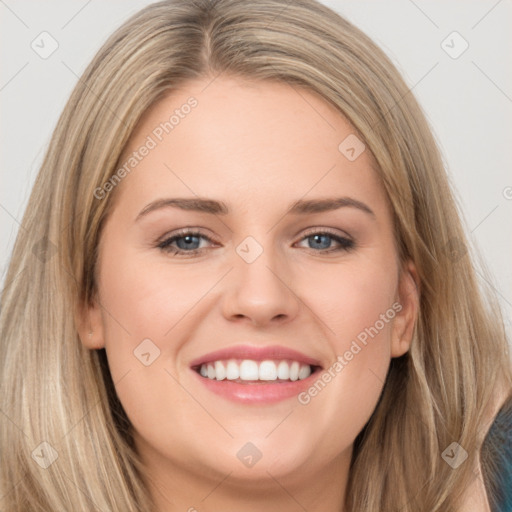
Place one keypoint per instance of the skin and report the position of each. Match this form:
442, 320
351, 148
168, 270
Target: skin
258, 147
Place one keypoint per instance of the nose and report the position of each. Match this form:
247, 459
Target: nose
260, 292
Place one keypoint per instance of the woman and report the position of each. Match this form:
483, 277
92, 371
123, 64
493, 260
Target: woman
324, 347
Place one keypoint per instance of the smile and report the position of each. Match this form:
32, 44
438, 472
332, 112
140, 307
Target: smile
250, 374
248, 370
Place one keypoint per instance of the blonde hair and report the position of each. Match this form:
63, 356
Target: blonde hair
56, 391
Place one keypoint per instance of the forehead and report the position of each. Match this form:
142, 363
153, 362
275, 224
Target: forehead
241, 140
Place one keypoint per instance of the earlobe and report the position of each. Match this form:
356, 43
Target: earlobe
405, 320
89, 324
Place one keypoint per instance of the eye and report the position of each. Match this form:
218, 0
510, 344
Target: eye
321, 241
186, 242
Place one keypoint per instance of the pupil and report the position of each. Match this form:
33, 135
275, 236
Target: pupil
188, 239
318, 238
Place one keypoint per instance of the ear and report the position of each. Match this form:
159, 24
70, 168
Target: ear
408, 295
89, 324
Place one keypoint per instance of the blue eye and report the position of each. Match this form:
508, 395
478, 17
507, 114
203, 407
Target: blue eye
188, 243
323, 240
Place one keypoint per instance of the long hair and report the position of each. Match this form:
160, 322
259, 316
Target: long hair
65, 441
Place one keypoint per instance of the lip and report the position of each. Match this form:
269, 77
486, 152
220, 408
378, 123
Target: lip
275, 352
261, 392
257, 393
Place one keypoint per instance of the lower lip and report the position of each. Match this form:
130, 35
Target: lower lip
258, 392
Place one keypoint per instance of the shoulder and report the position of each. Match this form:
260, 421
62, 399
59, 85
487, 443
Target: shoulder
496, 459
491, 489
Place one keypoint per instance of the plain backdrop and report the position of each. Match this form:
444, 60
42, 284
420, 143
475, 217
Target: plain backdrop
454, 55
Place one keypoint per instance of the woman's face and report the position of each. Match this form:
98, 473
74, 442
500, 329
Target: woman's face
291, 268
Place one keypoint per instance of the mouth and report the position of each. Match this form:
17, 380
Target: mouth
250, 371
250, 374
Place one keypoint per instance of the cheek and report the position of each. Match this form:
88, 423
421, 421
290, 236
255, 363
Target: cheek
146, 300
353, 299
355, 303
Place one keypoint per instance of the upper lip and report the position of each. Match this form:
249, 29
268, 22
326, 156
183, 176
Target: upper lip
274, 352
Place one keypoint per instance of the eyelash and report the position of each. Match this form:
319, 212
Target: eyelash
345, 244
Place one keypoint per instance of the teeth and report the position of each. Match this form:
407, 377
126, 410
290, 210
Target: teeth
233, 370
249, 370
283, 370
268, 370
294, 371
220, 370
304, 371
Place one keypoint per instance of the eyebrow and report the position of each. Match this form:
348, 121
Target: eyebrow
300, 207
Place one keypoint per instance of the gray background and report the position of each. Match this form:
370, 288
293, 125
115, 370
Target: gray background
468, 99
